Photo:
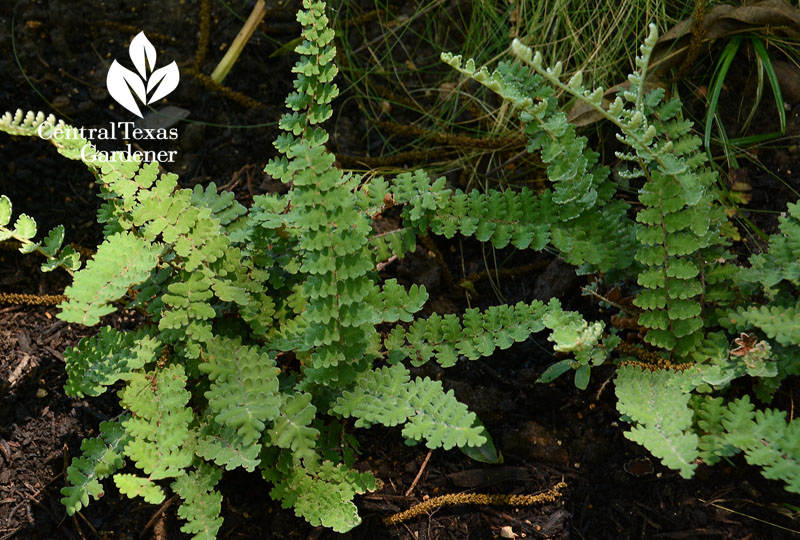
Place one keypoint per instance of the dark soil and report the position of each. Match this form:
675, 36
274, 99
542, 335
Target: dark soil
60, 50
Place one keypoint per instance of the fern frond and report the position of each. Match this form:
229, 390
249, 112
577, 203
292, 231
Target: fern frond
100, 361
64, 137
223, 205
121, 261
201, 504
498, 217
24, 230
782, 261
101, 457
767, 440
388, 396
657, 405
323, 493
244, 389
161, 442
775, 447
292, 429
132, 486
712, 442
399, 304
226, 448
393, 244
477, 334
331, 233
777, 322
680, 223
580, 184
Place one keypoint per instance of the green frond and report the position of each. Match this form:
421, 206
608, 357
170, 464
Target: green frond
224, 446
292, 429
777, 322
98, 362
765, 437
64, 137
100, 458
475, 335
388, 396
160, 439
657, 406
224, 207
323, 493
267, 326
712, 441
201, 504
244, 389
121, 261
393, 244
132, 486
24, 230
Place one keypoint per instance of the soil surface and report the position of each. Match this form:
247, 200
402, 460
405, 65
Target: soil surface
54, 56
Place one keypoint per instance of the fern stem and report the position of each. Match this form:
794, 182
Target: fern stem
494, 499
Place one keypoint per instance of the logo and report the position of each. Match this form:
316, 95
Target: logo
123, 84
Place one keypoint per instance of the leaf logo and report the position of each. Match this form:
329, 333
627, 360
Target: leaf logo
123, 84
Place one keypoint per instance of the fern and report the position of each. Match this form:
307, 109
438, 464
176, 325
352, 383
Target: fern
24, 230
322, 493
267, 326
776, 275
782, 262
682, 266
102, 457
159, 428
387, 396
100, 361
244, 392
765, 437
201, 504
679, 224
121, 261
226, 448
475, 335
658, 407
579, 212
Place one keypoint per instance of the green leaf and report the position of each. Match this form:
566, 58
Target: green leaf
53, 241
323, 494
100, 457
244, 389
161, 441
100, 361
25, 227
201, 504
582, 375
5, 210
485, 453
554, 371
292, 429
